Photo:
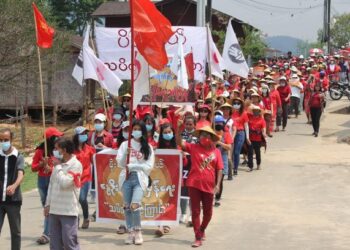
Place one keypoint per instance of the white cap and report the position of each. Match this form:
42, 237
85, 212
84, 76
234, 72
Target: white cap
301, 57
283, 78
294, 76
101, 117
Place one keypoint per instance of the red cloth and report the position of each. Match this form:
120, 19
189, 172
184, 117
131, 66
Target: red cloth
152, 31
201, 124
267, 103
107, 139
37, 158
85, 157
315, 100
44, 33
239, 120
256, 124
189, 65
284, 91
325, 83
76, 178
205, 163
198, 199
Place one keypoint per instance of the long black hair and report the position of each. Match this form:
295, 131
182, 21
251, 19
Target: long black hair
145, 147
163, 144
76, 142
50, 142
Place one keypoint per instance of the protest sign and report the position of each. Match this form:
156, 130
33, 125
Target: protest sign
161, 202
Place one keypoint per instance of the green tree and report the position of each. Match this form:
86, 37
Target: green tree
253, 43
340, 30
73, 14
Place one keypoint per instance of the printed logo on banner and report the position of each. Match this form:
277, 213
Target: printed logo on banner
235, 54
161, 200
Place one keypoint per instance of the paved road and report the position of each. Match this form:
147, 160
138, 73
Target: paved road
299, 200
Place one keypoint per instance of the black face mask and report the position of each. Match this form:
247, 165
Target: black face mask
219, 127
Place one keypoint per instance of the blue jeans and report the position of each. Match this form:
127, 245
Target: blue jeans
43, 187
84, 190
224, 155
238, 144
133, 194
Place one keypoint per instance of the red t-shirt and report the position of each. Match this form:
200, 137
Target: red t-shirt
275, 98
267, 103
37, 158
205, 163
85, 157
315, 101
240, 119
284, 91
256, 124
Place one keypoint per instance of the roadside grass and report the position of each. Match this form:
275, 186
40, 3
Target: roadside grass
30, 179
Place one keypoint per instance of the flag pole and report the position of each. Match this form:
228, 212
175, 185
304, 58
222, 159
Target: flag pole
41, 89
150, 91
213, 94
131, 109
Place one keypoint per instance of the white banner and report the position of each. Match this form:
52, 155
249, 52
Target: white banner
114, 49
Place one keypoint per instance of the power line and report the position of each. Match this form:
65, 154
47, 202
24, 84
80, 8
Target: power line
286, 8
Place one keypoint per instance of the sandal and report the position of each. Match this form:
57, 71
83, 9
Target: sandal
43, 239
159, 233
166, 229
121, 229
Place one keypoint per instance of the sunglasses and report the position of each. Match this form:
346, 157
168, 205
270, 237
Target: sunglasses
236, 103
203, 111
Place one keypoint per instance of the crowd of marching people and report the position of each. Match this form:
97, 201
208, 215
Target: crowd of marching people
230, 123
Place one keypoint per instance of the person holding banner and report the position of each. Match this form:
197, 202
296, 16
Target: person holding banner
84, 154
134, 178
204, 178
44, 165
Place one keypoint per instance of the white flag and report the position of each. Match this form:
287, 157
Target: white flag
95, 69
178, 66
217, 63
78, 72
233, 55
141, 79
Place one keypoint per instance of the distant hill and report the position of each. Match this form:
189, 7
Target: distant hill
284, 43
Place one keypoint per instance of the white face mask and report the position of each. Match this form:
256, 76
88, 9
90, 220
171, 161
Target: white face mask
237, 106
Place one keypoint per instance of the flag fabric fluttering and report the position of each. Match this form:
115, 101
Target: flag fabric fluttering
233, 55
95, 69
178, 66
78, 72
217, 63
189, 65
151, 32
141, 79
44, 33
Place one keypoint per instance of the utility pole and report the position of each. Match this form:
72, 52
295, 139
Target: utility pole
200, 21
327, 24
209, 12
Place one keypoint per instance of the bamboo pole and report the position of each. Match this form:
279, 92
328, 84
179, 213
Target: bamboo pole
213, 94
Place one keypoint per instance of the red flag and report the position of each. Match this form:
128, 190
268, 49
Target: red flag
152, 31
44, 33
189, 65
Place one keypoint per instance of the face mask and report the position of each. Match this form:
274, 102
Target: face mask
117, 117
219, 127
206, 142
168, 136
127, 113
125, 135
256, 113
83, 138
149, 127
99, 127
286, 67
5, 146
283, 84
156, 137
137, 134
264, 91
57, 154
237, 106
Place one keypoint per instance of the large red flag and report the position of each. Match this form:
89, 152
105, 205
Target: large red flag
44, 33
152, 31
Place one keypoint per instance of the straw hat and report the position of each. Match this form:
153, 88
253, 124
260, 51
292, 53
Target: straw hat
255, 94
209, 130
268, 77
226, 105
237, 99
255, 107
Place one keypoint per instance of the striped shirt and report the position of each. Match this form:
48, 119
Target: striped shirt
63, 195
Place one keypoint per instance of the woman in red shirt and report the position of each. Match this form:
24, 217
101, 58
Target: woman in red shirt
44, 165
257, 131
275, 103
285, 93
204, 116
204, 178
84, 154
266, 99
240, 119
316, 108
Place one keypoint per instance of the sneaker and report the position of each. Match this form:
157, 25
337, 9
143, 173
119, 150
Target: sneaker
229, 178
250, 169
203, 237
85, 224
130, 239
197, 243
189, 224
217, 204
138, 237
121, 229
235, 173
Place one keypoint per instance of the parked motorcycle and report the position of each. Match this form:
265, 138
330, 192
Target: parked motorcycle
339, 89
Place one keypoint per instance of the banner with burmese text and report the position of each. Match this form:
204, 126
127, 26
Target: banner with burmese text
161, 202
